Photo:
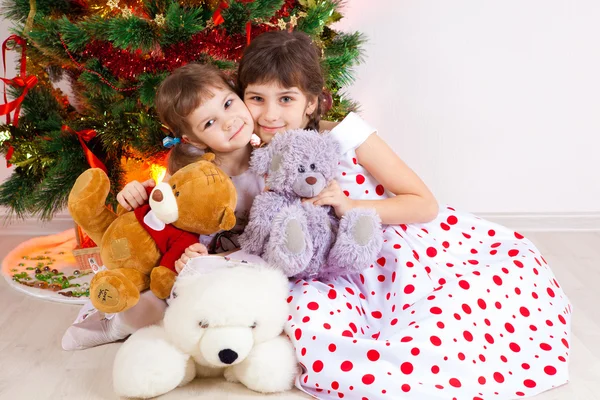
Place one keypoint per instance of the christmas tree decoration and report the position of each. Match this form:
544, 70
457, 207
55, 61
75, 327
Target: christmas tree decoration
46, 267
114, 54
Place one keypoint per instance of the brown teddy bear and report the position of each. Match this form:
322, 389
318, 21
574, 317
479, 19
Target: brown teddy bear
139, 248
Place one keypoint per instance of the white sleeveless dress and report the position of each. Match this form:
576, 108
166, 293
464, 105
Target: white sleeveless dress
458, 308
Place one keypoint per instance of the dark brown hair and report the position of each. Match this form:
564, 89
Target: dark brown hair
178, 96
289, 58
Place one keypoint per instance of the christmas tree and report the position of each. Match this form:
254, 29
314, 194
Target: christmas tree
114, 54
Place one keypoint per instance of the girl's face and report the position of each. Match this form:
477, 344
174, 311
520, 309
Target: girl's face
276, 109
222, 123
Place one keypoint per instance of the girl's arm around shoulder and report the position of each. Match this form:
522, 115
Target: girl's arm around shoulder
413, 203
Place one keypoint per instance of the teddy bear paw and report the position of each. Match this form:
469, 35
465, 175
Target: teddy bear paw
111, 292
358, 242
290, 246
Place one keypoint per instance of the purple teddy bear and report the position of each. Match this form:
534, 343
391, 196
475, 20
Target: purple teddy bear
303, 240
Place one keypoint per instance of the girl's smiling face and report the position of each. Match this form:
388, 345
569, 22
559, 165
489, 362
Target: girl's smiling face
276, 109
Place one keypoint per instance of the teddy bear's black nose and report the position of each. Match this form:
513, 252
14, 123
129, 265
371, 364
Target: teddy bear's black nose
227, 356
311, 180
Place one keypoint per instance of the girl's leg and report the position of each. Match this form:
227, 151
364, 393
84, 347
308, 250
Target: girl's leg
96, 329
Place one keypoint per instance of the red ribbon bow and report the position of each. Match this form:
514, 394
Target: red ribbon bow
218, 19
22, 80
85, 136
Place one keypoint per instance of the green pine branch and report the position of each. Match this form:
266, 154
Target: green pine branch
181, 24
132, 33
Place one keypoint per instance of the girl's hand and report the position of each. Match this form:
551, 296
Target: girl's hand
195, 250
333, 196
134, 194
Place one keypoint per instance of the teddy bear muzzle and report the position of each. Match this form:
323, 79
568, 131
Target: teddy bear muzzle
164, 204
221, 347
309, 184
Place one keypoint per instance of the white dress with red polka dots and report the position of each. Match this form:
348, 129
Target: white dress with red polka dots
458, 308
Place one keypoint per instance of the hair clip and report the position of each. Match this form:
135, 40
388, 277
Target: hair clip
169, 142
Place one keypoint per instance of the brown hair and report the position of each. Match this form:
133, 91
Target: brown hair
289, 58
184, 90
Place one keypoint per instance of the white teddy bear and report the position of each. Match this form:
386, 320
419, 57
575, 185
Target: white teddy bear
226, 320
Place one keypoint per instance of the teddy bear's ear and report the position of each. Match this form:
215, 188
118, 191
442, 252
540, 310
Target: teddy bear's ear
261, 159
208, 156
228, 220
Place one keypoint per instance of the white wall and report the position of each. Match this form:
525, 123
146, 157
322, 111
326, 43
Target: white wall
496, 104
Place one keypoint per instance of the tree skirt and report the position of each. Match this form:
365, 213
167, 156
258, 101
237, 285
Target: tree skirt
45, 267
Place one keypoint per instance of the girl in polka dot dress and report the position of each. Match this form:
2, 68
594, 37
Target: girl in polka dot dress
455, 307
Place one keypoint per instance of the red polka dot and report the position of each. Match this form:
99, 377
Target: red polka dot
498, 377
379, 190
468, 336
415, 351
368, 379
481, 304
318, 366
464, 284
550, 370
564, 341
436, 341
524, 311
360, 179
406, 388
515, 347
550, 292
431, 252
481, 380
326, 326
455, 382
492, 232
408, 289
545, 346
466, 308
332, 347
376, 314
518, 263
381, 261
529, 383
313, 306
435, 369
509, 328
373, 355
347, 193
562, 319
298, 334
497, 280
435, 310
406, 368
332, 294
346, 366
452, 220
335, 385
525, 366
518, 235
406, 339
489, 338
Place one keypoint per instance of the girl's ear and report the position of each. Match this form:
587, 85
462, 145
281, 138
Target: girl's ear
193, 141
311, 106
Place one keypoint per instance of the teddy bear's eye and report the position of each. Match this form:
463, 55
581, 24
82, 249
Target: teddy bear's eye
313, 167
301, 169
253, 325
174, 186
203, 324
176, 194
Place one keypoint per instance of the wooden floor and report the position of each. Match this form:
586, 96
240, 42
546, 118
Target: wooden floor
33, 365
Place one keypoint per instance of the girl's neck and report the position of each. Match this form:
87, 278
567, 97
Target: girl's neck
236, 162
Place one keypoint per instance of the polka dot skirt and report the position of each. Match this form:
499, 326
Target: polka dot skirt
458, 308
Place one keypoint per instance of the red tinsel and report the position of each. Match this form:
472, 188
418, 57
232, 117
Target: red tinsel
216, 43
